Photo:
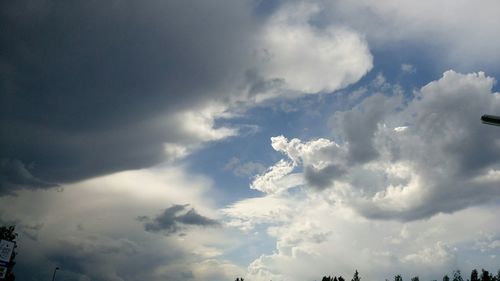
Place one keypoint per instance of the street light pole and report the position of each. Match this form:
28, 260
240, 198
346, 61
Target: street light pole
54, 275
491, 120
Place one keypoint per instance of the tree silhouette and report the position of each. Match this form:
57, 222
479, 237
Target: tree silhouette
474, 275
485, 275
457, 275
8, 233
356, 276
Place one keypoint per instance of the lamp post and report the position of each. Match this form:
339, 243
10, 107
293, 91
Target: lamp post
54, 275
491, 120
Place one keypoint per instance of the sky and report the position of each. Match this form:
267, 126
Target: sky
263, 139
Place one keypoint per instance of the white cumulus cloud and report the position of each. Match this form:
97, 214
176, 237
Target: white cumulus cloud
303, 58
435, 157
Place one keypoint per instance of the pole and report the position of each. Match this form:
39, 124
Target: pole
54, 275
491, 120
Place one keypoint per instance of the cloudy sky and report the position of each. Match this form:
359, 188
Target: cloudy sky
264, 139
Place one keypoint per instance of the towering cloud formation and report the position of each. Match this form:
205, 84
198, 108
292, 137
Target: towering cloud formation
403, 161
406, 185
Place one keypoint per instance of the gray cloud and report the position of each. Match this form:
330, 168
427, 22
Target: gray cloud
407, 160
29, 230
323, 178
89, 88
97, 87
449, 154
454, 156
175, 219
358, 126
90, 230
15, 175
100, 258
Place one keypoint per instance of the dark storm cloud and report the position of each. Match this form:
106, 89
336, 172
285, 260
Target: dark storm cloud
85, 85
175, 219
15, 175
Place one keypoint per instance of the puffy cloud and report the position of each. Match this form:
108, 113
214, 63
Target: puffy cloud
174, 219
358, 126
310, 59
404, 161
320, 238
277, 178
458, 32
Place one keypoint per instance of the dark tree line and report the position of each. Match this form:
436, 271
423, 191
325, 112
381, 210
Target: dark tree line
474, 276
457, 276
340, 278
